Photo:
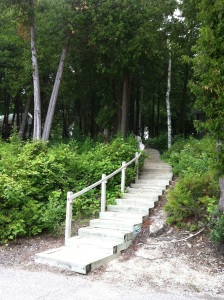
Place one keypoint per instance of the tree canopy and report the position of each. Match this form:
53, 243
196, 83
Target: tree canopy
113, 76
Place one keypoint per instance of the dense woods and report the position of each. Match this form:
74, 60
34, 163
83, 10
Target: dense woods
98, 67
76, 69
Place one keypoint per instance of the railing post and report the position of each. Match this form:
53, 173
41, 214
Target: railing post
103, 194
137, 168
68, 222
123, 177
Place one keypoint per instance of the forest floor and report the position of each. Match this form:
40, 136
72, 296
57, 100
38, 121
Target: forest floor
172, 261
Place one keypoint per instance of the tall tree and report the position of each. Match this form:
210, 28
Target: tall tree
54, 95
36, 80
169, 126
209, 75
122, 35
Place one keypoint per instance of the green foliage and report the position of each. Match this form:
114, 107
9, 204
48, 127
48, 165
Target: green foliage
194, 198
35, 178
192, 156
53, 212
208, 66
217, 234
161, 142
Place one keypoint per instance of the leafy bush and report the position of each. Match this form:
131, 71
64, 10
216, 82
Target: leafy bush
217, 234
194, 198
161, 142
35, 178
192, 201
192, 156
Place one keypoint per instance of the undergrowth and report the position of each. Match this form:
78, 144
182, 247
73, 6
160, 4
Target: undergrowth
193, 201
35, 178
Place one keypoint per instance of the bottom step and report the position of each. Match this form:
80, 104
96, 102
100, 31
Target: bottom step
68, 258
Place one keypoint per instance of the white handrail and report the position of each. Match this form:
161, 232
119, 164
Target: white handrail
71, 198
103, 181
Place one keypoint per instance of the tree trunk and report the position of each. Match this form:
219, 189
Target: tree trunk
5, 124
183, 102
221, 200
117, 93
158, 112
141, 128
168, 101
36, 81
24, 119
54, 95
125, 105
153, 117
65, 132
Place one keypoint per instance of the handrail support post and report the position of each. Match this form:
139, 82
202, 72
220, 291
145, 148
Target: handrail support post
103, 194
137, 167
68, 222
123, 177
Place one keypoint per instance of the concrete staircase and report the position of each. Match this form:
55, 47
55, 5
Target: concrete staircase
116, 228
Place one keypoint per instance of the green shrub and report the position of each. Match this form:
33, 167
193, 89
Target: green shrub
193, 156
194, 198
217, 233
35, 178
161, 142
192, 201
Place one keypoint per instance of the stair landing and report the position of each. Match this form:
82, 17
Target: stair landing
116, 228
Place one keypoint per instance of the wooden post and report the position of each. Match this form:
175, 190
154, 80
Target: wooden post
123, 177
68, 222
137, 168
103, 194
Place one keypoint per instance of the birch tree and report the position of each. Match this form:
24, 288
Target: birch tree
169, 126
36, 80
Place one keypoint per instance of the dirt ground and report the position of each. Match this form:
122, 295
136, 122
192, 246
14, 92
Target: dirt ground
171, 261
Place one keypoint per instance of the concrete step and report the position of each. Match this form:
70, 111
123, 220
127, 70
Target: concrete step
130, 209
151, 185
119, 236
157, 167
148, 197
156, 170
71, 259
158, 176
83, 244
120, 216
127, 225
155, 177
135, 202
149, 191
146, 177
147, 180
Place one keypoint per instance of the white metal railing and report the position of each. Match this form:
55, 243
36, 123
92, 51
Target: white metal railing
103, 182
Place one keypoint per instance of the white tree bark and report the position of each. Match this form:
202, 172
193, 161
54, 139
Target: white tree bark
169, 126
36, 81
54, 95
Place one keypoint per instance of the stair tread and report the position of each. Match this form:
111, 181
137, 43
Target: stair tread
72, 259
103, 230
